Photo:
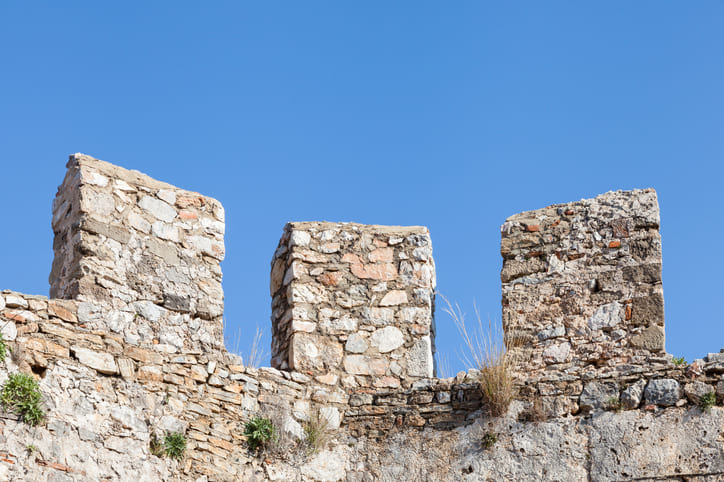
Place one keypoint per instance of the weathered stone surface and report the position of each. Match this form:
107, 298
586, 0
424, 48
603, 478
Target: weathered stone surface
695, 390
634, 445
598, 396
365, 365
316, 353
355, 344
343, 285
419, 359
593, 263
103, 362
652, 339
606, 316
387, 339
147, 309
631, 396
664, 392
394, 298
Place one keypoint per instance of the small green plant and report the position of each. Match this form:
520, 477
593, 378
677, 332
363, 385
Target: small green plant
679, 361
4, 349
260, 431
21, 395
174, 445
707, 401
614, 404
489, 439
317, 432
30, 448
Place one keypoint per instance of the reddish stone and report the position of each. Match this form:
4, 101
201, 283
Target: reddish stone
351, 258
187, 215
533, 228
420, 329
383, 255
382, 272
628, 312
614, 244
570, 212
55, 309
330, 278
387, 382
558, 221
534, 254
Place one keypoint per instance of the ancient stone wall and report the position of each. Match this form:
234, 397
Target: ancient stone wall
582, 285
130, 350
143, 253
354, 304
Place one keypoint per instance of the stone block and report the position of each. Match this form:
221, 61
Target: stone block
664, 392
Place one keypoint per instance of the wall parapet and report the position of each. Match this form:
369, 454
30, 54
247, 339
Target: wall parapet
130, 349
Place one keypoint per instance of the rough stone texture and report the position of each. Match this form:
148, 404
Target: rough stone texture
350, 299
582, 284
663, 392
107, 392
144, 249
597, 395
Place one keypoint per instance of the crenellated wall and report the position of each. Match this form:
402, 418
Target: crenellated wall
130, 347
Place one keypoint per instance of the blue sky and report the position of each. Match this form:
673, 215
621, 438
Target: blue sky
452, 115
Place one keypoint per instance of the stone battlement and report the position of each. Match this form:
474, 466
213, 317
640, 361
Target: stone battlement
130, 347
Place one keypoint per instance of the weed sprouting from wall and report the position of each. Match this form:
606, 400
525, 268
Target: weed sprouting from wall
486, 351
21, 395
260, 432
317, 432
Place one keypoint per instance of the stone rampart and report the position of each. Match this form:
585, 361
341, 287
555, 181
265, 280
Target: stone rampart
582, 287
354, 304
143, 255
130, 350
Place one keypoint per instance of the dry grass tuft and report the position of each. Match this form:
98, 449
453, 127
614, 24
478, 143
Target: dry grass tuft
487, 352
256, 352
318, 432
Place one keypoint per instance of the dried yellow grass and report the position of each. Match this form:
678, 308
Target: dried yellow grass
486, 351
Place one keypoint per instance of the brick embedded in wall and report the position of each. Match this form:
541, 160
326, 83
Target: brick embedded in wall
353, 304
582, 284
145, 250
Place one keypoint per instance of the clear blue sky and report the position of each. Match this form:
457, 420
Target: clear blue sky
452, 115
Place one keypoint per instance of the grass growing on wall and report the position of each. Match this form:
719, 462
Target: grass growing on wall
487, 353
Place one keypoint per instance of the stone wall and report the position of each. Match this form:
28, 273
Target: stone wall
353, 304
582, 285
143, 253
110, 382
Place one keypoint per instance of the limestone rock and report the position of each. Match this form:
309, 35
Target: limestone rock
664, 392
